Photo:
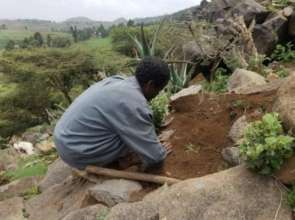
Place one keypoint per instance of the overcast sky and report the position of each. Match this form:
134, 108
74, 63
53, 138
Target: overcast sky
106, 10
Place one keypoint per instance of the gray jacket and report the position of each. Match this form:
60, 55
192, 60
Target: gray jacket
106, 120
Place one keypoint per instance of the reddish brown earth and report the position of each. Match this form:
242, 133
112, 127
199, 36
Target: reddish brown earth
202, 125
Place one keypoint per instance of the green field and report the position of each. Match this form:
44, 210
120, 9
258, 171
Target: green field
94, 43
6, 35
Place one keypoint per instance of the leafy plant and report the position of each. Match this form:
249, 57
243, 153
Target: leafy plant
31, 192
282, 72
144, 46
291, 198
191, 148
265, 147
219, 83
280, 3
284, 53
179, 77
159, 106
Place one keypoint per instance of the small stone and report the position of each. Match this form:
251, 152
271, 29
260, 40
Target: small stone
231, 155
237, 130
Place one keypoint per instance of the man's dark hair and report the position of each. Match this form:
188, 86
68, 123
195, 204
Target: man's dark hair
152, 69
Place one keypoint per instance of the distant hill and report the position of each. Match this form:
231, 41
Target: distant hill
82, 22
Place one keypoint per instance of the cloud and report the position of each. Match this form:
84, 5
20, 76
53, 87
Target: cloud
95, 9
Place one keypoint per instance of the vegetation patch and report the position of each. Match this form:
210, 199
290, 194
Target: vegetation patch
265, 147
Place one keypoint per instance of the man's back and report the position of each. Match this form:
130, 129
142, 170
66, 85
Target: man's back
100, 123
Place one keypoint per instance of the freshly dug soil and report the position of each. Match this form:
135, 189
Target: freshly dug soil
202, 124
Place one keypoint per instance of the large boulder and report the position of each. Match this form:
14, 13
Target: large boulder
243, 81
292, 25
18, 187
112, 192
230, 194
60, 199
12, 209
56, 174
267, 35
94, 212
285, 103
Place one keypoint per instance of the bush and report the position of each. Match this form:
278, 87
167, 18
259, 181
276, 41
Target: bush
219, 84
159, 106
291, 198
284, 53
265, 147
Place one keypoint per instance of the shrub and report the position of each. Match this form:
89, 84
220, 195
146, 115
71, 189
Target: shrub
159, 106
291, 198
219, 84
284, 53
265, 147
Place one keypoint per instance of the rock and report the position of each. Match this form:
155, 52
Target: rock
24, 147
93, 212
45, 146
288, 11
12, 209
18, 187
9, 158
291, 28
56, 174
236, 132
59, 200
231, 194
285, 103
112, 192
267, 35
287, 172
242, 81
231, 155
192, 90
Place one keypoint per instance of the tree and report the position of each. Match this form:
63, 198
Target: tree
74, 33
130, 23
49, 40
10, 45
101, 31
38, 39
3, 27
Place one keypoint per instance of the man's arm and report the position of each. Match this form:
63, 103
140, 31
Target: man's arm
133, 123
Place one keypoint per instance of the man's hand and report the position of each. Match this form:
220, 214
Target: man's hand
168, 147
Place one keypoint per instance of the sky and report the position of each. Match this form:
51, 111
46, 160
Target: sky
102, 10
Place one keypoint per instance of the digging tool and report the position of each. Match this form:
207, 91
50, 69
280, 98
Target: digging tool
131, 175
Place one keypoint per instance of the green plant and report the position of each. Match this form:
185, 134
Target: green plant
179, 77
284, 53
144, 46
219, 83
291, 198
256, 64
282, 72
102, 215
159, 107
31, 192
191, 148
280, 3
265, 147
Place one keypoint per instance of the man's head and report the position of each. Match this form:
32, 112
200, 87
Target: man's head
152, 75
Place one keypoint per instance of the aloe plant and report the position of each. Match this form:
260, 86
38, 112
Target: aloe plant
180, 77
143, 47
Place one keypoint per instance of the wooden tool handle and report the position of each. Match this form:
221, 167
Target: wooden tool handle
131, 175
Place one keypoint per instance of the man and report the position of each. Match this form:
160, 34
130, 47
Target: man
112, 117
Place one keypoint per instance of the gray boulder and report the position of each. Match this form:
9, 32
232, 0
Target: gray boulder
8, 159
18, 187
236, 132
231, 194
291, 28
267, 35
243, 81
285, 103
93, 212
112, 192
192, 90
56, 174
231, 155
60, 199
12, 209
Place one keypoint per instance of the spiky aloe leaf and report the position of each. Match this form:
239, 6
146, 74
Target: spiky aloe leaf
138, 45
155, 37
145, 45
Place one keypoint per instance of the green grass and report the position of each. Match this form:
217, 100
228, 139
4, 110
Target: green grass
17, 35
94, 44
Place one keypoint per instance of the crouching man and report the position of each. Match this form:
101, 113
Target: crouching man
112, 117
